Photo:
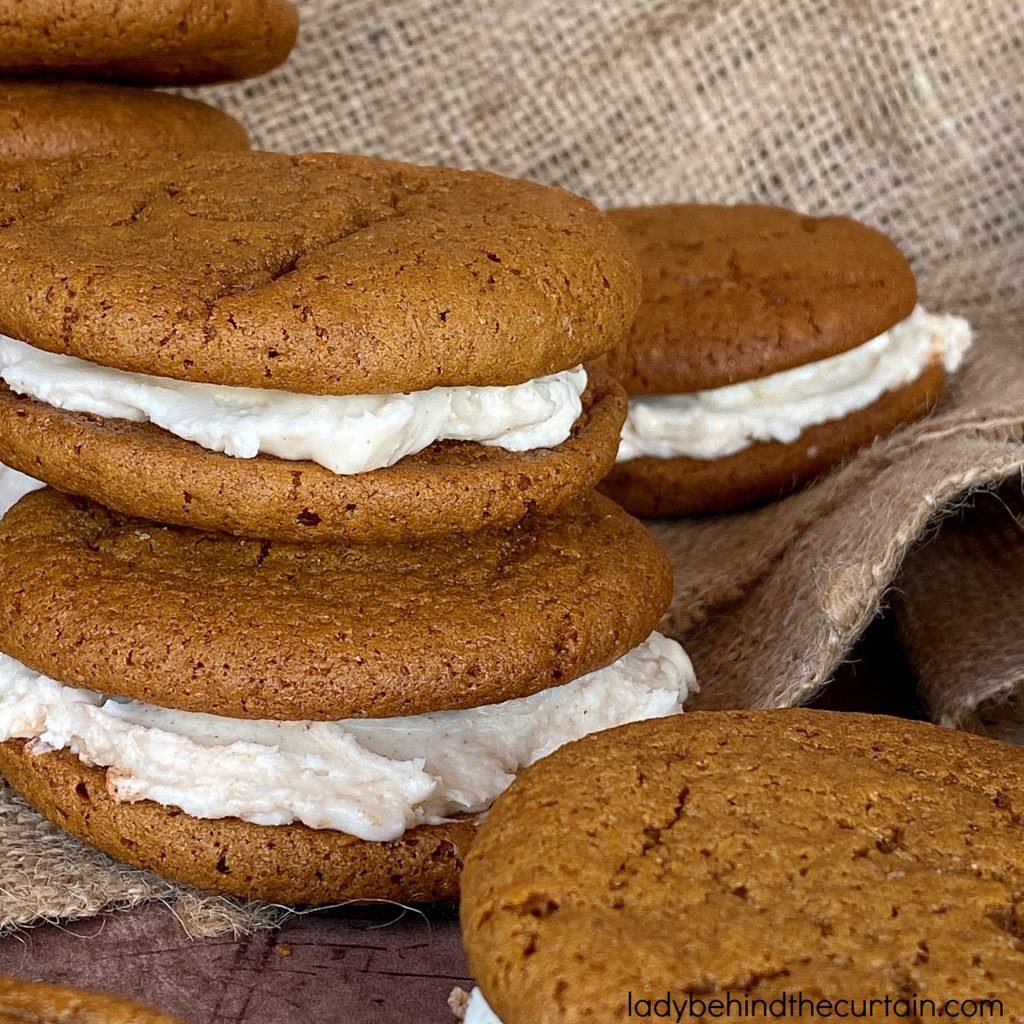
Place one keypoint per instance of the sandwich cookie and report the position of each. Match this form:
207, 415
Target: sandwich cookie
39, 1003
49, 119
310, 723
769, 346
309, 347
168, 43
725, 865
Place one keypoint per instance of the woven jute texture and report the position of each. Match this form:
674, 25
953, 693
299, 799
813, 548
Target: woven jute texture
904, 114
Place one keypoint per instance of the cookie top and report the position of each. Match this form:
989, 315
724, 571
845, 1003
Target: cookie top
262, 629
754, 854
317, 273
35, 1001
48, 120
734, 293
175, 42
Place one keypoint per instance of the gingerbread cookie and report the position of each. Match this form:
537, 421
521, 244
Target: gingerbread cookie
725, 863
168, 43
308, 347
769, 346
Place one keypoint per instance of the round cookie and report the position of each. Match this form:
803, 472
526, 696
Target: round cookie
739, 294
311, 275
175, 42
734, 293
44, 119
39, 1003
262, 629
752, 856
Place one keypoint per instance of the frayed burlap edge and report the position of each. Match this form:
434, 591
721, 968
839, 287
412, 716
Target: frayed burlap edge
769, 602
48, 876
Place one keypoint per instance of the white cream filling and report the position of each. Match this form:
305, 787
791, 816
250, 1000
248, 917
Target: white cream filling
478, 1011
714, 423
345, 433
371, 778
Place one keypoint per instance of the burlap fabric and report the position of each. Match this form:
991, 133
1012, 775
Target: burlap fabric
903, 114
957, 610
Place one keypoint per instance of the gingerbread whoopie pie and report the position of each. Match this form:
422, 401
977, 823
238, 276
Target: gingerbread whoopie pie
48, 119
769, 346
174, 42
308, 347
752, 865
35, 1002
307, 723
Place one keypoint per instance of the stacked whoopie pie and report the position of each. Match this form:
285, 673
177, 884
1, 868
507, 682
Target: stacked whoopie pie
77, 71
77, 78
769, 346
321, 566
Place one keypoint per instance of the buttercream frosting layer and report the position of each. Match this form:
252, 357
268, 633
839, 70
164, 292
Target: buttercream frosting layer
718, 422
371, 778
345, 433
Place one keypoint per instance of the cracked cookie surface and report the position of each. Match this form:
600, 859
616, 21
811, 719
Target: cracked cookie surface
316, 273
261, 629
757, 854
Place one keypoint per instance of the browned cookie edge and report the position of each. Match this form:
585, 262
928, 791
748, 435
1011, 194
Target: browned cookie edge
282, 863
46, 120
453, 486
40, 1003
649, 486
231, 40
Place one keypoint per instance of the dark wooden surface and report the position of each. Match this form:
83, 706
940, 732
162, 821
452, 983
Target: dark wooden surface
370, 965
379, 964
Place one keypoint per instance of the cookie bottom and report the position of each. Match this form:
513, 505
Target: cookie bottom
450, 487
282, 863
45, 120
650, 486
